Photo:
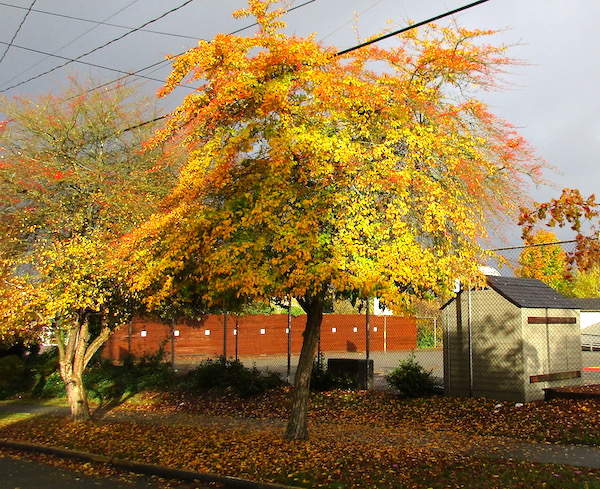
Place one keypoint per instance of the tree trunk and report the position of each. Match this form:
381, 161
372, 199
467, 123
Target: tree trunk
74, 353
297, 428
77, 398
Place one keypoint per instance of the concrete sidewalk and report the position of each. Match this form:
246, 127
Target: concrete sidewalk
28, 408
506, 448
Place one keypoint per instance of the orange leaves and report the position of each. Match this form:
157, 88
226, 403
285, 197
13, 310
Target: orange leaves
546, 263
573, 210
360, 439
369, 171
268, 21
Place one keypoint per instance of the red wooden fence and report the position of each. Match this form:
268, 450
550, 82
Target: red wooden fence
258, 335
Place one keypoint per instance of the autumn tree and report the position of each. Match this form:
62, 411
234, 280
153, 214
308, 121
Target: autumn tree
73, 179
571, 210
586, 283
545, 260
369, 174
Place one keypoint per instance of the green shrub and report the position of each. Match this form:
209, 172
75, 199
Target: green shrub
411, 379
53, 386
221, 373
26, 375
107, 382
12, 375
42, 367
425, 339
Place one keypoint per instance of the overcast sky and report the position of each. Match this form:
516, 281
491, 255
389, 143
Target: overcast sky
554, 100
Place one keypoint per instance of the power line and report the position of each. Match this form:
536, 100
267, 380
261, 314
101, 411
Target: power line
100, 47
237, 31
70, 42
164, 61
358, 46
98, 22
18, 30
126, 74
412, 26
94, 65
534, 245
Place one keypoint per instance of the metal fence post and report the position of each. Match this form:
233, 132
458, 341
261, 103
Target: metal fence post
129, 332
367, 343
289, 341
237, 335
225, 335
173, 343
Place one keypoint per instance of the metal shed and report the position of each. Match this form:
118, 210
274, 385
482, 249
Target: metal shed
510, 340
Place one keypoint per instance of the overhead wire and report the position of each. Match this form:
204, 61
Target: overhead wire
97, 24
339, 53
125, 73
411, 26
100, 47
17, 31
87, 63
367, 43
166, 61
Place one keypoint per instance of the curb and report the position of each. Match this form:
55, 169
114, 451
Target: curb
142, 468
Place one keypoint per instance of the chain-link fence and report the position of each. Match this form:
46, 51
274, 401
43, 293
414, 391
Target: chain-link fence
511, 339
522, 337
273, 342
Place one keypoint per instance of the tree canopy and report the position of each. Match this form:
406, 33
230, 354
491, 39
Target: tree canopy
574, 211
73, 180
365, 172
374, 173
545, 260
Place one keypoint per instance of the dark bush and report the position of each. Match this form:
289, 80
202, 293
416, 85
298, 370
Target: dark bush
109, 383
12, 375
221, 373
53, 386
44, 365
26, 374
411, 379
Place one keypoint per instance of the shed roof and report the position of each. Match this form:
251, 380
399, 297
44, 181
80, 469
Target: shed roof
588, 303
529, 293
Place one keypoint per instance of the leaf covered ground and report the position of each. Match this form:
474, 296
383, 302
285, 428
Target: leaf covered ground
556, 421
358, 439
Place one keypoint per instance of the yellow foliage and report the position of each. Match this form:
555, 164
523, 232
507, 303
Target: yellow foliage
365, 173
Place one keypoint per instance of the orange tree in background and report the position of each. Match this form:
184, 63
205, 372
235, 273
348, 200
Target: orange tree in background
581, 215
545, 261
367, 174
571, 210
72, 179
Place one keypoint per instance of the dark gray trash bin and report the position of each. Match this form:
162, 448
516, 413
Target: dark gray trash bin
354, 368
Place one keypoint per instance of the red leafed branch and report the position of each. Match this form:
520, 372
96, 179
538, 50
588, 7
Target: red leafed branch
571, 210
